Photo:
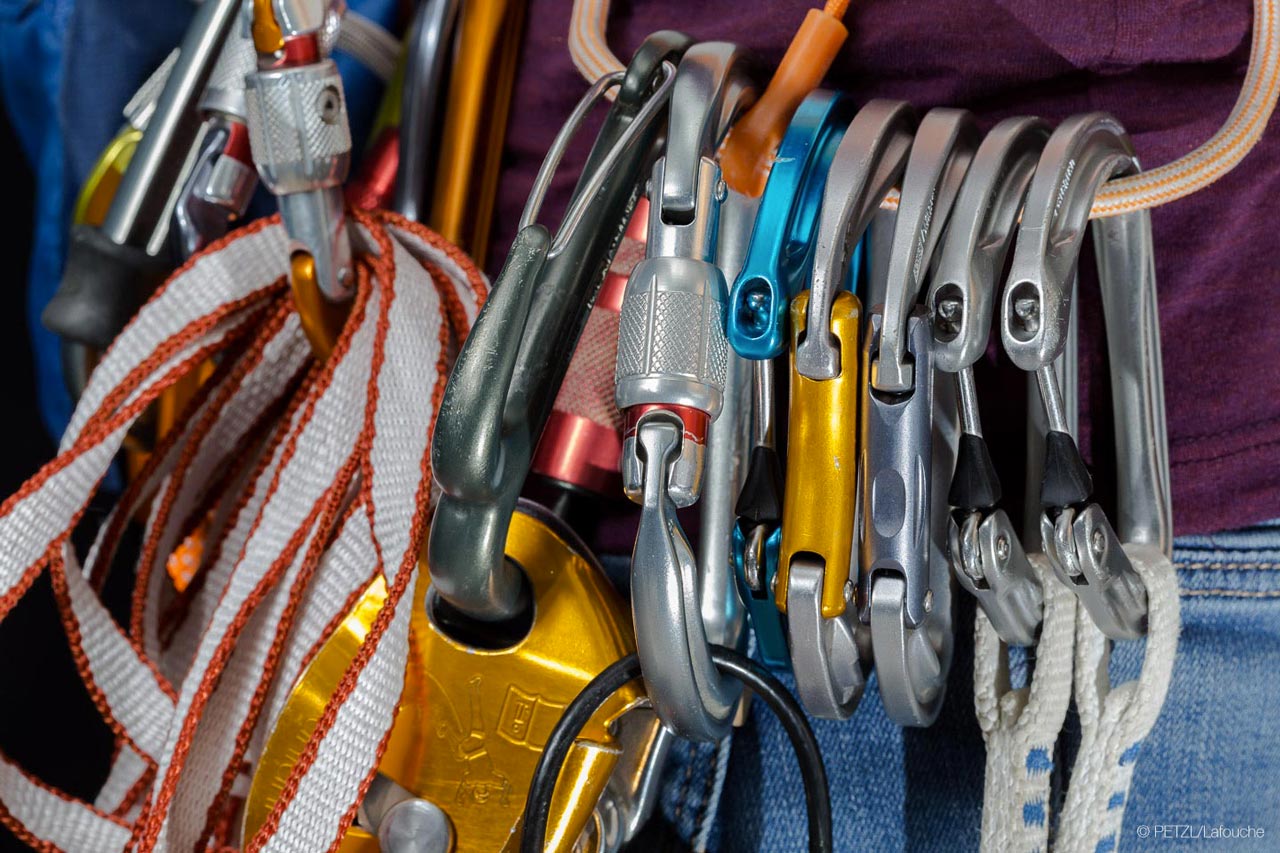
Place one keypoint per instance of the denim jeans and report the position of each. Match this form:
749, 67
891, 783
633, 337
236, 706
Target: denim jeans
1211, 766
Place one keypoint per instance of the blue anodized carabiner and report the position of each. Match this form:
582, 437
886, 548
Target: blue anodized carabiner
780, 256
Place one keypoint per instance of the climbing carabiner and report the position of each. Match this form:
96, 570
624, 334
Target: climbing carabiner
673, 361
1085, 551
868, 163
780, 259
506, 376
985, 550
908, 441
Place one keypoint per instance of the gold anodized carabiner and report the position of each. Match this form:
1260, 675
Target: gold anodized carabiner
822, 459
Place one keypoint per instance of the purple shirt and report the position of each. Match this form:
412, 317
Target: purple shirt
1169, 71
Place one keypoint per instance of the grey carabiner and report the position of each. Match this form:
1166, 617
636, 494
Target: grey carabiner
986, 555
674, 373
944, 146
868, 163
978, 236
827, 658
1086, 553
908, 447
689, 694
1085, 151
509, 369
429, 51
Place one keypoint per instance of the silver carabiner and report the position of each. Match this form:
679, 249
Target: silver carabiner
1085, 551
817, 573
687, 691
673, 364
986, 553
860, 175
908, 441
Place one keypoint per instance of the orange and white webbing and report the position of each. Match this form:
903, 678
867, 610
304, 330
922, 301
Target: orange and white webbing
307, 480
1184, 176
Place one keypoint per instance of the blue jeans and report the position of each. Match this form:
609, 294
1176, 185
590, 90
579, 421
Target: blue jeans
1211, 765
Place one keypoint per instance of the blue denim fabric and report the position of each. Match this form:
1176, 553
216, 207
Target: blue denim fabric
1212, 760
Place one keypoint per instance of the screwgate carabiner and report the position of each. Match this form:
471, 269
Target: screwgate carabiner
908, 441
673, 360
504, 382
985, 551
782, 243
1084, 549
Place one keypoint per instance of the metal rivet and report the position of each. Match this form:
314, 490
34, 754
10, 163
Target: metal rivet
1002, 549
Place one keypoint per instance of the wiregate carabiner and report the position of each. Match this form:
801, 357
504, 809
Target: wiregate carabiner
780, 259
986, 552
856, 184
504, 381
908, 441
673, 361
1084, 549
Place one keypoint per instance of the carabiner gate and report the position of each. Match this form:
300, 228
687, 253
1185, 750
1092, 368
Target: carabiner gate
986, 553
909, 439
1085, 551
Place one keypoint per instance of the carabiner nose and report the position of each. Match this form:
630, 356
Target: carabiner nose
1082, 153
940, 157
868, 163
978, 237
780, 258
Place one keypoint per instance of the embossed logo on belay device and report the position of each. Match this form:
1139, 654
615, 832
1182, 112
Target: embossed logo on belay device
481, 782
527, 719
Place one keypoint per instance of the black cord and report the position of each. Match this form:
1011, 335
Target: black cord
813, 772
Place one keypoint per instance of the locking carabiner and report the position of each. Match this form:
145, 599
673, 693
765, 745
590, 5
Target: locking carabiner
223, 179
301, 142
908, 441
1085, 551
780, 259
112, 269
504, 381
673, 360
986, 553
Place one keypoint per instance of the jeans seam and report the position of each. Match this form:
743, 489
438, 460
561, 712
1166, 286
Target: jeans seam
1233, 593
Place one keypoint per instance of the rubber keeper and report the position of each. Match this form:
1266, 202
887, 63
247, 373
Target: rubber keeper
103, 286
1066, 478
975, 484
760, 500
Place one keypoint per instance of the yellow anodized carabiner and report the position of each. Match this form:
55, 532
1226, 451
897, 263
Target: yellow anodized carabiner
822, 459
